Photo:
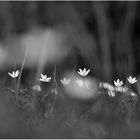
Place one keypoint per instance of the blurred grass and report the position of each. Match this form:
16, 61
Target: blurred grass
101, 117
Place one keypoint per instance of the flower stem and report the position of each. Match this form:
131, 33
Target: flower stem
22, 66
55, 87
74, 71
15, 83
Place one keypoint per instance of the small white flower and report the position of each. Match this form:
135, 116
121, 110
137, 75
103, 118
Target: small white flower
65, 81
14, 74
44, 78
84, 72
37, 88
131, 80
118, 83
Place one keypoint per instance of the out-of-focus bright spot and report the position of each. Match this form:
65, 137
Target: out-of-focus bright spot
36, 88
80, 82
83, 83
48, 46
133, 94
65, 81
45, 46
81, 88
111, 93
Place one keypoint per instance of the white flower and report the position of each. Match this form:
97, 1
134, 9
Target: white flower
131, 80
44, 78
84, 72
37, 88
14, 74
118, 83
65, 81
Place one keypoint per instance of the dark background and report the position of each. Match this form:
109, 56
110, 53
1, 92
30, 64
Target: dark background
107, 33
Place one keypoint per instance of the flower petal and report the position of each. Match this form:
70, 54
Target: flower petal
17, 72
80, 70
115, 83
86, 73
41, 79
49, 78
84, 70
79, 73
42, 76
10, 74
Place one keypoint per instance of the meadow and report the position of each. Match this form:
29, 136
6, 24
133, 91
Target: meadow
69, 69
55, 108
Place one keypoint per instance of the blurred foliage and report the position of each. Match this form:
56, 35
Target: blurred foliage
31, 115
105, 33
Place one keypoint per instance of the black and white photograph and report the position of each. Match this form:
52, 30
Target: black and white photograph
70, 69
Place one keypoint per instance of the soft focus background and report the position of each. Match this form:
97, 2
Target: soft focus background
101, 36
